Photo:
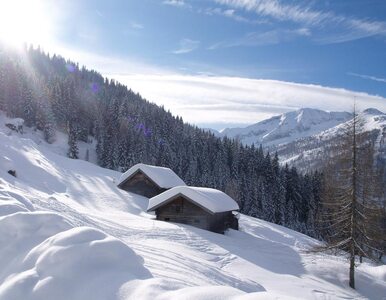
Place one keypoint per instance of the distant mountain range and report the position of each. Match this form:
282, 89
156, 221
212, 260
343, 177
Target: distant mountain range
287, 127
301, 137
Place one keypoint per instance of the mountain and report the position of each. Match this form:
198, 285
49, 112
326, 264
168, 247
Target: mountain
313, 151
287, 127
306, 138
215, 132
67, 232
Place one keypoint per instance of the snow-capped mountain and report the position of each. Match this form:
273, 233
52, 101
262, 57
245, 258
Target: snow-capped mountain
287, 127
302, 138
68, 232
309, 152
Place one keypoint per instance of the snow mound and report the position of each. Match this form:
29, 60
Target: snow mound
163, 177
20, 232
210, 199
80, 263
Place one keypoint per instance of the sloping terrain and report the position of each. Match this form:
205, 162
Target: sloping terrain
287, 127
304, 138
310, 152
67, 232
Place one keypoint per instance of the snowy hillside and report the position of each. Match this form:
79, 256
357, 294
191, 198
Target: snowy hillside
67, 232
287, 127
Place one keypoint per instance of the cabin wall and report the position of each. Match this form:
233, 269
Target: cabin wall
140, 184
183, 211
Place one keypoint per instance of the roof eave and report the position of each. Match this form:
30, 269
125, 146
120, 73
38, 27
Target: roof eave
190, 200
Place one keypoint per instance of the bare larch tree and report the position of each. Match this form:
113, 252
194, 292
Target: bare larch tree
350, 212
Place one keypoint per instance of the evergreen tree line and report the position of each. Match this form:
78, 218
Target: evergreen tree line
52, 94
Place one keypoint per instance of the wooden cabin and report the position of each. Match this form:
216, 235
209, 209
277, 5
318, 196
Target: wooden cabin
149, 181
204, 208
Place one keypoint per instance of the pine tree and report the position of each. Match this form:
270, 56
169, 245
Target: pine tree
73, 150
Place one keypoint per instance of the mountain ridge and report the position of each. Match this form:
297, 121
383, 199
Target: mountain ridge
287, 127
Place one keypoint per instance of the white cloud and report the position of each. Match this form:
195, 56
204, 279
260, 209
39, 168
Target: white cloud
186, 46
340, 28
230, 13
136, 25
271, 37
174, 2
230, 100
367, 77
219, 100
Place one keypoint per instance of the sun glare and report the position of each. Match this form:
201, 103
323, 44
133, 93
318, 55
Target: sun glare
24, 21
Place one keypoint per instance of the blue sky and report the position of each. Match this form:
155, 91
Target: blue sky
192, 45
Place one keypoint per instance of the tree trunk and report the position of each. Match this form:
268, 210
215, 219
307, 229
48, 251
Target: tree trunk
353, 204
352, 267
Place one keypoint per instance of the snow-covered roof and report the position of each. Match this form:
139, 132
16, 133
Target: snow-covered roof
163, 177
16, 121
212, 200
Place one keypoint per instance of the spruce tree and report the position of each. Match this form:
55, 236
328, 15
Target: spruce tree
73, 151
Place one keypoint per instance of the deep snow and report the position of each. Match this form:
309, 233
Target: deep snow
67, 232
211, 199
163, 177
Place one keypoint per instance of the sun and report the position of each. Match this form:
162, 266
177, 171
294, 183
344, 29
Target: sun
24, 21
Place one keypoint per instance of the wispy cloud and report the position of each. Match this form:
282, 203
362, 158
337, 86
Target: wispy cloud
383, 80
271, 37
186, 46
235, 100
230, 13
220, 100
136, 25
336, 28
279, 11
174, 2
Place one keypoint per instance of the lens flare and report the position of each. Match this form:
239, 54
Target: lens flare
24, 21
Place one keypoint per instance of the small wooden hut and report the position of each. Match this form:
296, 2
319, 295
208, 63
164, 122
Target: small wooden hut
204, 208
149, 181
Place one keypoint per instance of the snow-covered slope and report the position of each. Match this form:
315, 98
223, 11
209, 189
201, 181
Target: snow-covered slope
312, 151
67, 232
287, 127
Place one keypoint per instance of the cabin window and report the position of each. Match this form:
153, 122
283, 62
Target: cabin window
167, 219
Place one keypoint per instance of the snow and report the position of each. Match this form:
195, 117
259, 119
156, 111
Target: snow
210, 199
83, 255
68, 232
60, 144
16, 122
287, 127
163, 177
308, 152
